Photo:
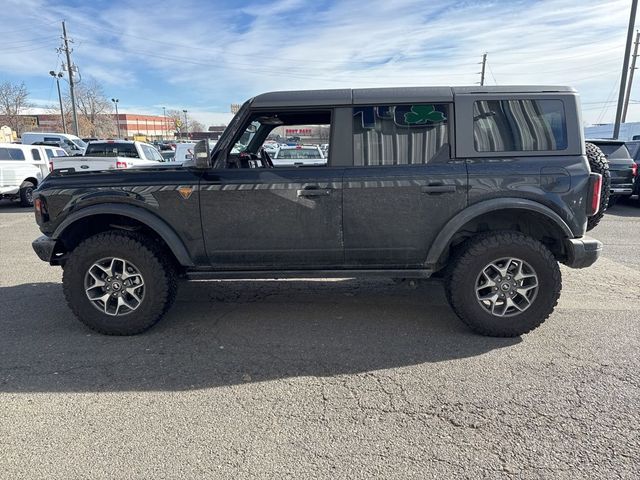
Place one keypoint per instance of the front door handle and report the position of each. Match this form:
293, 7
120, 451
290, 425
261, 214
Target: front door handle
314, 192
431, 189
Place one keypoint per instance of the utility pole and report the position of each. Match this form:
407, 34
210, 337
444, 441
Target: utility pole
484, 64
633, 67
70, 68
625, 68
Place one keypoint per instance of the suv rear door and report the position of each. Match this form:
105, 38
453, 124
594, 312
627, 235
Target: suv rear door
403, 186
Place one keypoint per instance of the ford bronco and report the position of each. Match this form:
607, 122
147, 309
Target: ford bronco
488, 187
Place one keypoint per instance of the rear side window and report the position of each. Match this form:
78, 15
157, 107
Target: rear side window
399, 134
35, 153
519, 125
11, 154
112, 150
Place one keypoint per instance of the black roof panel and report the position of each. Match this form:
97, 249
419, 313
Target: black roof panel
364, 96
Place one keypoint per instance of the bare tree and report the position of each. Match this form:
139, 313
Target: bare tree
13, 101
196, 126
176, 118
95, 110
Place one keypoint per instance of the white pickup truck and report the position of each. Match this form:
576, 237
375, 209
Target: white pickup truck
111, 155
22, 168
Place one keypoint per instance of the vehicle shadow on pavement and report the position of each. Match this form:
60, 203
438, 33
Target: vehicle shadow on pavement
227, 333
8, 206
625, 208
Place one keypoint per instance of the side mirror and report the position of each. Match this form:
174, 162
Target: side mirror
201, 156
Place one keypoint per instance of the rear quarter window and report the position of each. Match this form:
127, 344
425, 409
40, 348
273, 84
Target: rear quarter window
519, 125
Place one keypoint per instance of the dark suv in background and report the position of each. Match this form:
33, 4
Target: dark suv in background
622, 167
488, 187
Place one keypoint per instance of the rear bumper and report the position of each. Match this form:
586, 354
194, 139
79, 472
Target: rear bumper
622, 189
582, 252
45, 248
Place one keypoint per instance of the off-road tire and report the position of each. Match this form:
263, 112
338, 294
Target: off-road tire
26, 194
484, 248
599, 164
159, 279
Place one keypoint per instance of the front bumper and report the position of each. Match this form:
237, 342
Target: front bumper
582, 252
9, 190
45, 248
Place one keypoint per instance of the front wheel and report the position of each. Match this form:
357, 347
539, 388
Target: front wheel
504, 284
118, 284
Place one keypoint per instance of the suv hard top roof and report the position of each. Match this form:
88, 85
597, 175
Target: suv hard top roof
365, 96
605, 141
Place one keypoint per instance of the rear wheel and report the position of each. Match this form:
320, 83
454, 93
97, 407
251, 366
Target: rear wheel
599, 164
504, 284
117, 284
26, 194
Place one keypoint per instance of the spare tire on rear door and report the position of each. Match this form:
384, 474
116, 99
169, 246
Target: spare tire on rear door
599, 164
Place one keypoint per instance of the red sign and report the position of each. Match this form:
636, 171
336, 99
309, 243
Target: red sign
297, 131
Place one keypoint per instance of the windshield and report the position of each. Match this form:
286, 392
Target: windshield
243, 141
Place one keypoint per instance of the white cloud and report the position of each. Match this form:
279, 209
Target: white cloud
204, 56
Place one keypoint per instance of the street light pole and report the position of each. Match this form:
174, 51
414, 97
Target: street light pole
115, 102
165, 128
186, 126
57, 76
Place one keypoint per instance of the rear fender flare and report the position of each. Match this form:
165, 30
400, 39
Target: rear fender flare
442, 241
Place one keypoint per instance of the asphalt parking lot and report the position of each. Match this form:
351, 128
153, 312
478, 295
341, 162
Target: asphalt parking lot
321, 379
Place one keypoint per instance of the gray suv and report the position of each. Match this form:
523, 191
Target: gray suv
487, 187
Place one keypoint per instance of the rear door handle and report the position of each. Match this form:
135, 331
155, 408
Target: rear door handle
429, 189
314, 192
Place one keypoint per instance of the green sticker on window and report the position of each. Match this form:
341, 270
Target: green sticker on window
422, 114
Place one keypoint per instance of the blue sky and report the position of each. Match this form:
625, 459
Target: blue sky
204, 55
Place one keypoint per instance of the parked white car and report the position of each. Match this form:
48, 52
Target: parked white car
22, 168
70, 143
299, 156
184, 152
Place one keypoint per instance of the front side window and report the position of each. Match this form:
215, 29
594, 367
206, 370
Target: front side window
283, 139
11, 154
519, 125
399, 134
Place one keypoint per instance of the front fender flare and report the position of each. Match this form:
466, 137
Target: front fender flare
152, 221
456, 223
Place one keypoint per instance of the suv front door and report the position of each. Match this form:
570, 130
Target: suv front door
273, 218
